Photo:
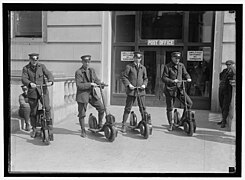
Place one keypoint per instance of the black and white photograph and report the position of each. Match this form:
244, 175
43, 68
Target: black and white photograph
122, 90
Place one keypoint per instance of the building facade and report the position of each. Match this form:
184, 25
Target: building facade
205, 38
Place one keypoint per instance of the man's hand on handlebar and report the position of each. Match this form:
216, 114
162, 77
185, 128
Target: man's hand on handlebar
93, 84
178, 81
49, 83
175, 81
33, 85
143, 86
131, 87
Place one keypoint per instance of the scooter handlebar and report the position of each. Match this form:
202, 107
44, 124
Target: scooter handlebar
184, 81
135, 88
44, 85
101, 85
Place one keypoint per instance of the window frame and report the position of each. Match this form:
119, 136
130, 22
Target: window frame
29, 39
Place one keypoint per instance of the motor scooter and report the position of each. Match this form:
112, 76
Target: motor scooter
108, 127
44, 125
188, 118
144, 125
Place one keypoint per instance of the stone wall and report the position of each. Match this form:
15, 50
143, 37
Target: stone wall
62, 98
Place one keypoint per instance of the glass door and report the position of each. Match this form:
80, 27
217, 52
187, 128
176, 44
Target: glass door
154, 60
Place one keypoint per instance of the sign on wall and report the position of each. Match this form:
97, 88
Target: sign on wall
160, 42
127, 55
207, 54
194, 55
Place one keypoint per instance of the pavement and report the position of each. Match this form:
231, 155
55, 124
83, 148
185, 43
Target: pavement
210, 150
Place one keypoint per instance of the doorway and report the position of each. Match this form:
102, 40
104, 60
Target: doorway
154, 60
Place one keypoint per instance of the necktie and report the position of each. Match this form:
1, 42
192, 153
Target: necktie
88, 74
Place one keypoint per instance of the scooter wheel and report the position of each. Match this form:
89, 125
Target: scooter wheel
92, 122
46, 137
176, 117
110, 132
133, 119
144, 129
195, 125
186, 127
189, 128
194, 121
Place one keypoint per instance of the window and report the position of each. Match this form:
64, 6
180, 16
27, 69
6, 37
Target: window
200, 26
125, 26
161, 25
200, 72
28, 24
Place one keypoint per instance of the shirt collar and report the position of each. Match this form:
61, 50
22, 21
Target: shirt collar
174, 65
136, 65
83, 69
33, 67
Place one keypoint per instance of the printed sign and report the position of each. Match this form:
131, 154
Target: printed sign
206, 53
127, 55
160, 42
194, 55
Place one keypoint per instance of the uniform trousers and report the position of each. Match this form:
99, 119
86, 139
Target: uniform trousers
34, 107
225, 95
181, 96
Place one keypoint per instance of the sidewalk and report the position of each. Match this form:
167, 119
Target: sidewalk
210, 150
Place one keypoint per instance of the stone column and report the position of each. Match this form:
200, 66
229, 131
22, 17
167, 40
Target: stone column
231, 119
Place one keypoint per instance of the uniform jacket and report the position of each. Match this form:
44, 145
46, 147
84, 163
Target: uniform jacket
83, 82
135, 76
29, 74
170, 73
225, 76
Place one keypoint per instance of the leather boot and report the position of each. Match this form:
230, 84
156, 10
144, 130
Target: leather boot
51, 134
219, 123
82, 124
27, 127
169, 116
100, 119
34, 132
125, 117
22, 124
223, 123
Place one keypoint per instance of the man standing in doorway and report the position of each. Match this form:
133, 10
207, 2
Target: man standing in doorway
172, 77
86, 81
134, 76
225, 90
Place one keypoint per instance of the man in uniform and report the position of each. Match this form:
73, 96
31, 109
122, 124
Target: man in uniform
225, 90
86, 81
34, 74
172, 77
134, 76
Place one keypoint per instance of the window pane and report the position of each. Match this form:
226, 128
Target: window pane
28, 24
150, 64
120, 67
125, 26
200, 72
200, 26
161, 25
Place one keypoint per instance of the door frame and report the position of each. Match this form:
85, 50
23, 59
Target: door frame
158, 99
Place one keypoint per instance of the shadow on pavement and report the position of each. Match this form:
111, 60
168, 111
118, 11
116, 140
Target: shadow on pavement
207, 135
215, 136
97, 136
35, 141
135, 134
